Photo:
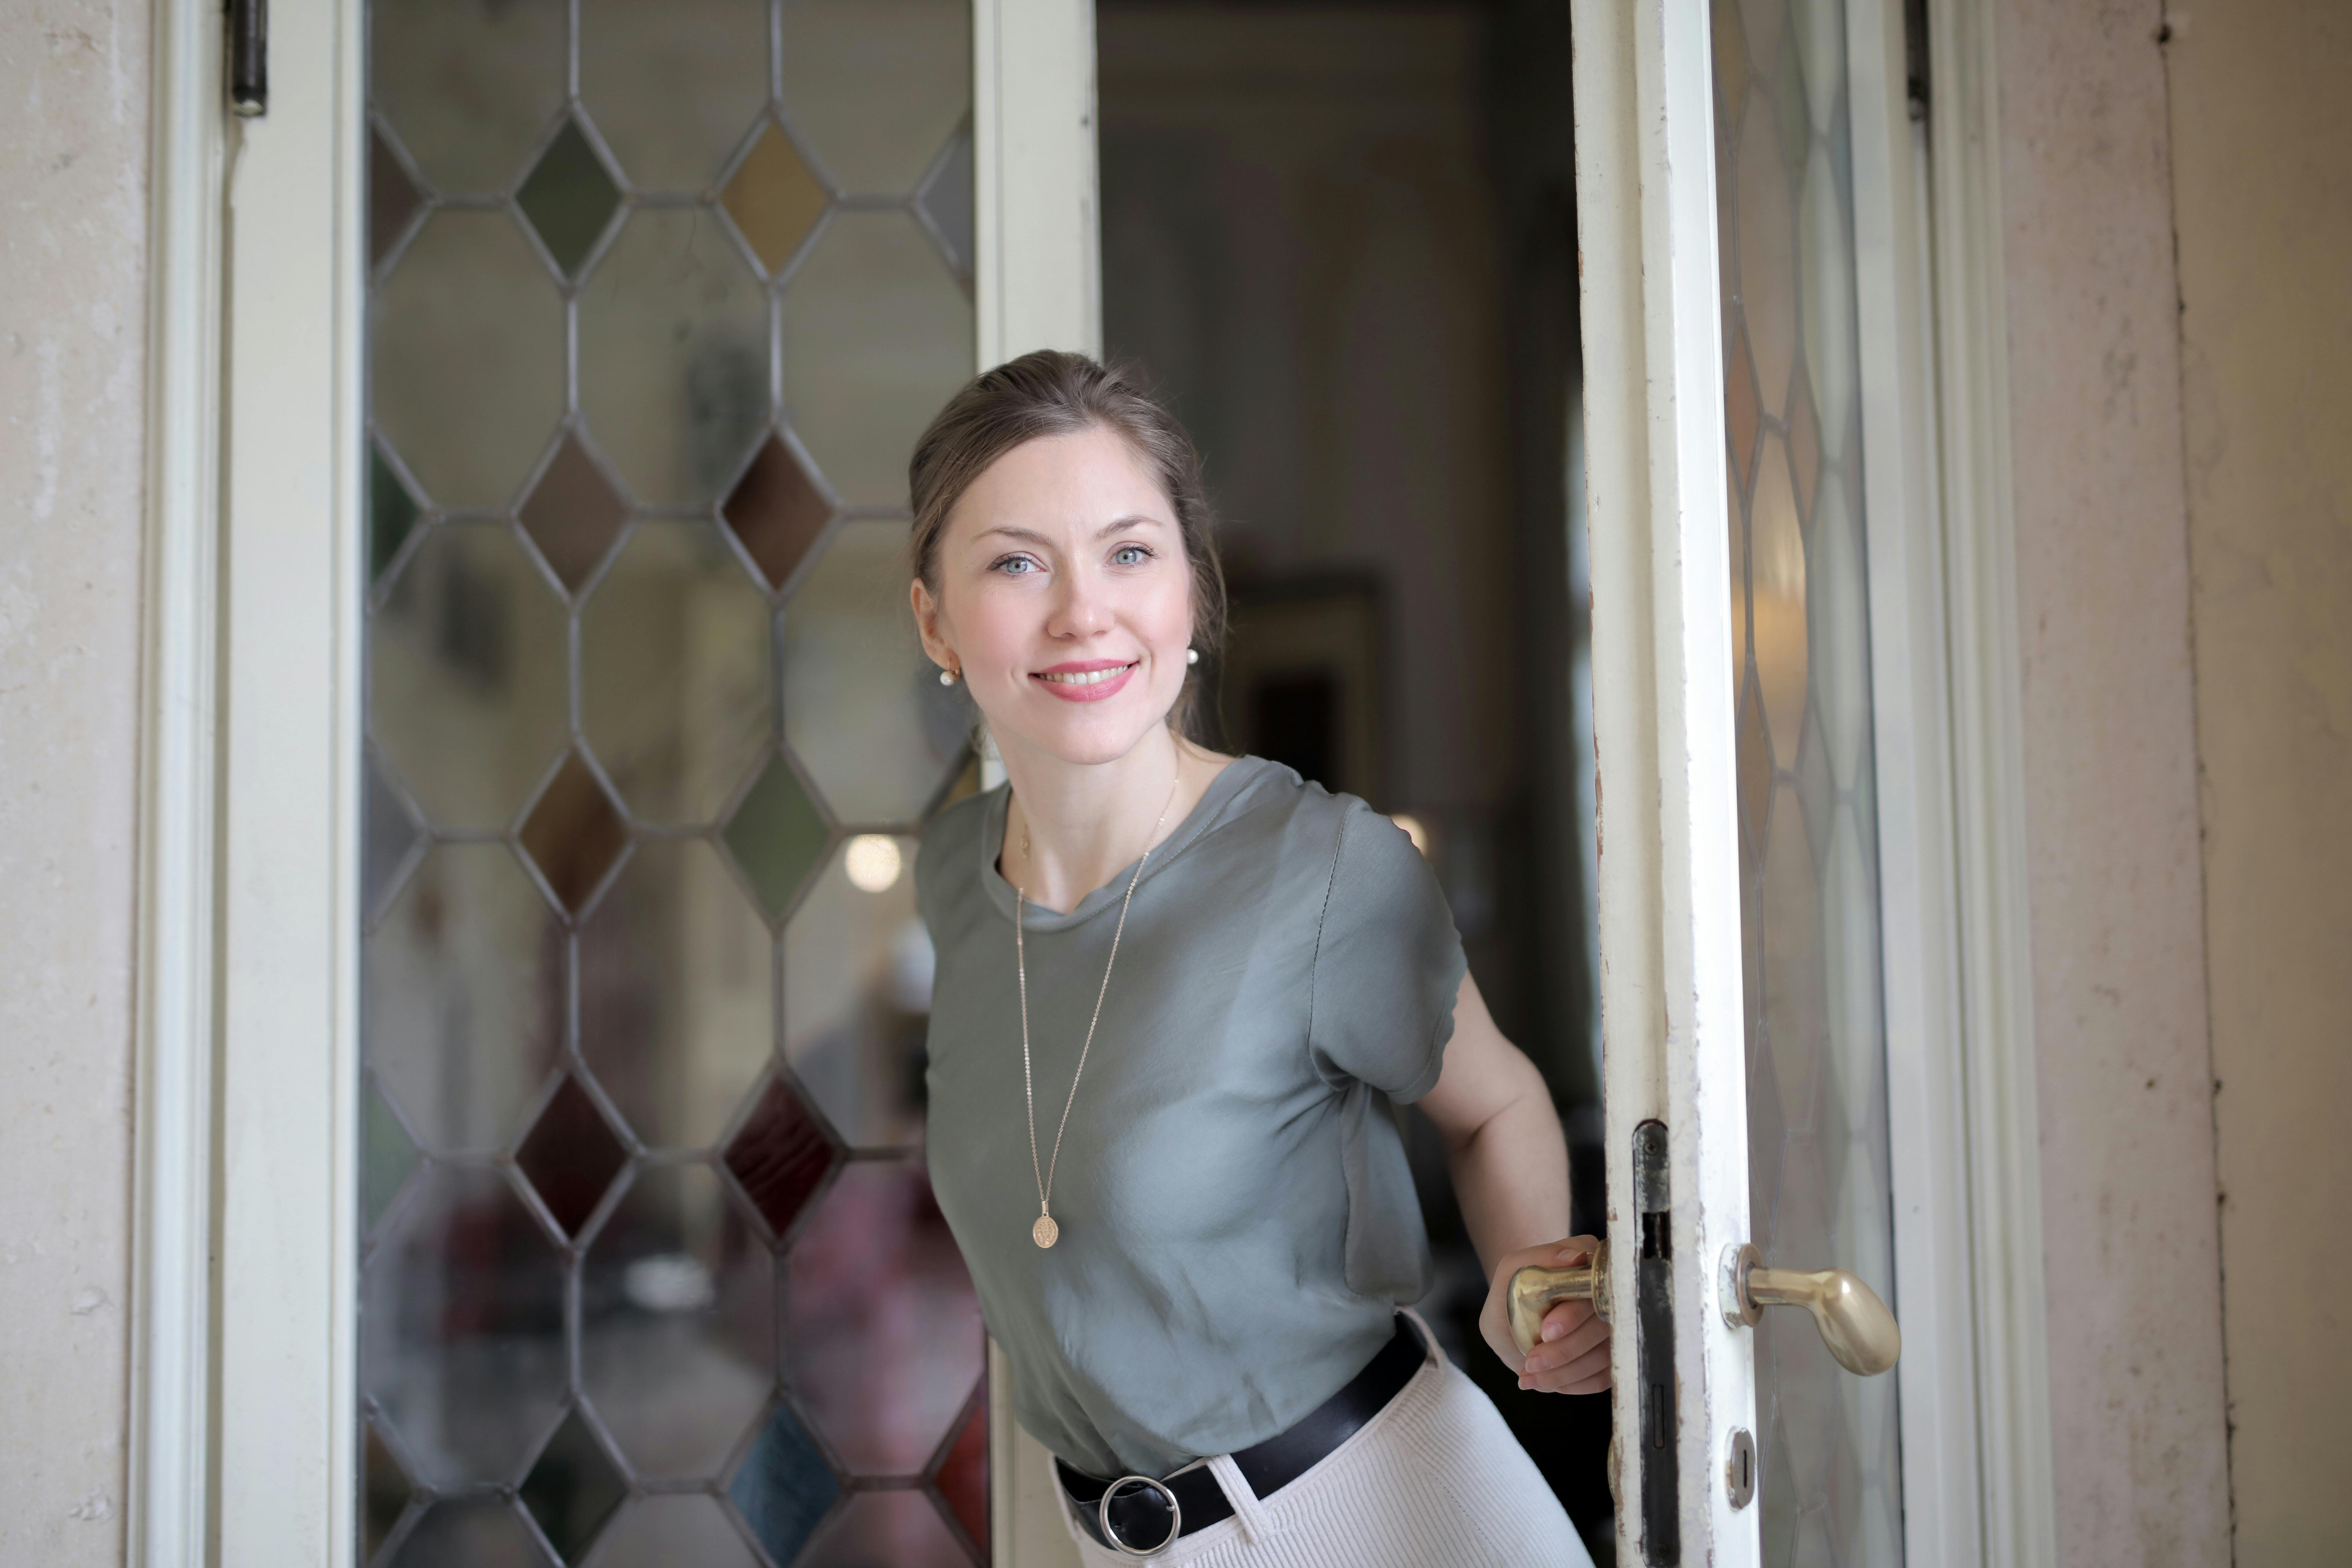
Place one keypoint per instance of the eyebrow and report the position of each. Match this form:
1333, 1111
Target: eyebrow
1115, 525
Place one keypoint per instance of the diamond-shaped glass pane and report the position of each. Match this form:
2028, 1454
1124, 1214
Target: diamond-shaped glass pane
777, 836
864, 709
857, 984
962, 1476
678, 1322
573, 1488
391, 513
573, 514
904, 1529
570, 1156
393, 197
785, 1486
464, 988
1768, 244
572, 835
676, 995
1775, 568
388, 1156
568, 197
469, 1533
674, 1530
468, 357
946, 200
390, 835
469, 87
885, 1385
773, 198
676, 695
674, 86
674, 354
385, 1491
878, 335
877, 84
461, 1330
777, 511
781, 1156
466, 677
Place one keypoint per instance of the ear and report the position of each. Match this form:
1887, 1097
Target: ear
927, 625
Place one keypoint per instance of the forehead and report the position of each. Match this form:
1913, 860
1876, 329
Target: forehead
1075, 482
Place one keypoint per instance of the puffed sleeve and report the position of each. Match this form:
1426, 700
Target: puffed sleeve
1388, 963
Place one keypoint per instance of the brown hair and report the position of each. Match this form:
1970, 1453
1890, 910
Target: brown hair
1050, 393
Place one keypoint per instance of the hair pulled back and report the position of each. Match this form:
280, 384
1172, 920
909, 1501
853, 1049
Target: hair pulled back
1050, 392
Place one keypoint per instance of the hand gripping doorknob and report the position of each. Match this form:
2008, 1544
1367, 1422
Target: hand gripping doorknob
1535, 1291
1854, 1324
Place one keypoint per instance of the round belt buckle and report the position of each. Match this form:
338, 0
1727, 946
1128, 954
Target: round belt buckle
1120, 1542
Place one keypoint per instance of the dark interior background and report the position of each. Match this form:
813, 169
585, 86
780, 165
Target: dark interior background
1339, 237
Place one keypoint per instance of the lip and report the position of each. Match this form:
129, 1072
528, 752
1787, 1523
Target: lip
1096, 691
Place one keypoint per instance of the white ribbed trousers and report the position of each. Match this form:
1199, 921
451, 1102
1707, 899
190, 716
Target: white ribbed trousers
1434, 1480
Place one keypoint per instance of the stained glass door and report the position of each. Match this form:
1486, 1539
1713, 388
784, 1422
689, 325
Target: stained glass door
1830, 1476
659, 298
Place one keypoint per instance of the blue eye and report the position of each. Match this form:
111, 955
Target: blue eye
1130, 555
1014, 566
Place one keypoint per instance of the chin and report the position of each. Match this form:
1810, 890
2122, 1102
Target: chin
1089, 738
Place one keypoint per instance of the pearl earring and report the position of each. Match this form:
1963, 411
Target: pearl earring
1192, 656
947, 678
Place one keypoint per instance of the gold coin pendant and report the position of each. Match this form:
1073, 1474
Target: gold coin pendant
1044, 1233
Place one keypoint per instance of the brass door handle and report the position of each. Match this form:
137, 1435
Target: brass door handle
1854, 1324
1535, 1291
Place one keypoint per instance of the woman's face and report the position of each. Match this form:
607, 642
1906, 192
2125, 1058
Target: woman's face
1064, 597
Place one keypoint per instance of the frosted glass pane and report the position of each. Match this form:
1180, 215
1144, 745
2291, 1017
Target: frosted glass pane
877, 86
858, 986
674, 87
469, 88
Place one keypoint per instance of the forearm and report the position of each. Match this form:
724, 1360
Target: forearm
1510, 1177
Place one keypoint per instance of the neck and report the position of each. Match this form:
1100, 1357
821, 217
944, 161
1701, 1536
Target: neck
1083, 822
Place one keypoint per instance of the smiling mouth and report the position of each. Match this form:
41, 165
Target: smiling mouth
1086, 677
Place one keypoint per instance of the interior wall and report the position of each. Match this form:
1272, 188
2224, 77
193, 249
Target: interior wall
2124, 1075
73, 173
2262, 168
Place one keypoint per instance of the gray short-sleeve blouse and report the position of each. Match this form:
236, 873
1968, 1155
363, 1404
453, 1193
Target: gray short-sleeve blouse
1237, 1218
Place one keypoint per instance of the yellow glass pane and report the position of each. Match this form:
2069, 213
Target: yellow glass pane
773, 198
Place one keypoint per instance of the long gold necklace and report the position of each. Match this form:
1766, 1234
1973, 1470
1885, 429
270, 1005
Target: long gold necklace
1044, 1233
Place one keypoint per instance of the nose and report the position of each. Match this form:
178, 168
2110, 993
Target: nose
1078, 608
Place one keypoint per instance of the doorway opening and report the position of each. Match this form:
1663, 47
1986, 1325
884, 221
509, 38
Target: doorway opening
1340, 238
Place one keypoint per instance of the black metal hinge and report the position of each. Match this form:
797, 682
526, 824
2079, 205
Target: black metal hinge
249, 58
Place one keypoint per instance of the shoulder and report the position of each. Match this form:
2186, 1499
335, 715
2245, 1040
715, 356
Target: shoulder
1336, 837
948, 858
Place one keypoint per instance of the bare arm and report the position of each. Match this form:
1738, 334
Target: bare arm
1509, 1162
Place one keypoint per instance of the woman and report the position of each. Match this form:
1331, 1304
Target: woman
1176, 994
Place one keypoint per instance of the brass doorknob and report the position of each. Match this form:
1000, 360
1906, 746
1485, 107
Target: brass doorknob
1535, 1291
1854, 1324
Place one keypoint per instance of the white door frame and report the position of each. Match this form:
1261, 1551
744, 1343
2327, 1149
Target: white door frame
1944, 650
244, 1445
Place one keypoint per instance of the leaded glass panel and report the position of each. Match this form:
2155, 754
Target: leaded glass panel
659, 297
1831, 1487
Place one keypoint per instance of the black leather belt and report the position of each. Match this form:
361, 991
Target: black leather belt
1146, 1516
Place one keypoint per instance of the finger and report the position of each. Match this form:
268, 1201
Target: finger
1584, 1337
1562, 1320
1579, 1375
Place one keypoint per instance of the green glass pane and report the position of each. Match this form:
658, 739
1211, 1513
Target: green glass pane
468, 358
392, 512
569, 198
573, 1488
386, 1159
777, 837
863, 710
676, 692
674, 356
663, 1531
469, 1390
469, 87
857, 993
676, 972
878, 334
464, 987
877, 86
678, 1323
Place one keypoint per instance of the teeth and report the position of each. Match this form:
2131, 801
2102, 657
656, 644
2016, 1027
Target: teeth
1088, 678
